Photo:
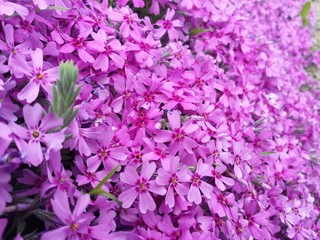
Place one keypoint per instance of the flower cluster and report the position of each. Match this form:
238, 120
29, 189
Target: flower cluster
185, 119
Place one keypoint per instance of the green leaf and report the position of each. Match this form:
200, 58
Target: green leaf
68, 120
106, 178
106, 194
304, 13
72, 97
58, 8
55, 99
197, 31
267, 153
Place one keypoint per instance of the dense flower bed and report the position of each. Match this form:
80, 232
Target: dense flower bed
194, 120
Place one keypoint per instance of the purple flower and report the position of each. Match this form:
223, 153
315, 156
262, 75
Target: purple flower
37, 133
169, 25
178, 135
8, 8
38, 77
173, 176
74, 223
197, 184
141, 186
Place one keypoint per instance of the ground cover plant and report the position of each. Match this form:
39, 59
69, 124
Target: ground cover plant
158, 119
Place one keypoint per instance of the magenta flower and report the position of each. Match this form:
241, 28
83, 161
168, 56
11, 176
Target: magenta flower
141, 186
5, 138
112, 50
169, 25
74, 223
81, 45
198, 185
129, 20
38, 77
219, 179
37, 133
173, 176
8, 8
178, 135
61, 180
240, 158
106, 154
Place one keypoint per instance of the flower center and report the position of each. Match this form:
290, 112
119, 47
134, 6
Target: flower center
295, 210
142, 185
74, 226
279, 148
237, 159
104, 153
167, 24
40, 76
35, 134
196, 180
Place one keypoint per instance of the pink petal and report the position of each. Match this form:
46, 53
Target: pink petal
220, 184
189, 144
32, 115
147, 170
21, 132
146, 202
125, 29
228, 181
82, 203
93, 163
101, 62
50, 121
155, 188
29, 92
118, 60
129, 176
57, 234
174, 120
169, 200
54, 140
85, 56
128, 197
35, 155
61, 207
118, 153
163, 136
206, 189
8, 30
37, 59
190, 128
194, 195
237, 171
67, 48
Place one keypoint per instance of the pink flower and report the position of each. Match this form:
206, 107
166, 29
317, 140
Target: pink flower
173, 176
5, 138
178, 135
129, 20
105, 153
8, 8
219, 179
38, 77
112, 50
141, 186
81, 45
198, 185
37, 133
169, 25
74, 223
